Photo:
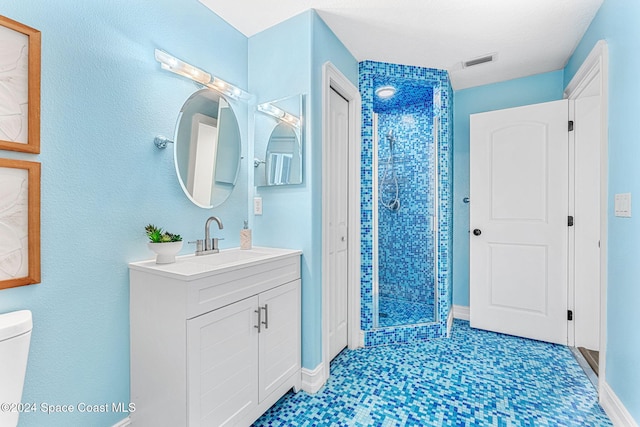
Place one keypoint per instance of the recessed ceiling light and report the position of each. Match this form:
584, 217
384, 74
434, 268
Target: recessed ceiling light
385, 92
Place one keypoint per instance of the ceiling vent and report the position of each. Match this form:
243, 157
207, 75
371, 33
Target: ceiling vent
481, 60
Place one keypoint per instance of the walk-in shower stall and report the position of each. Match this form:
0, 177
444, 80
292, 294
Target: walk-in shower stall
406, 291
404, 202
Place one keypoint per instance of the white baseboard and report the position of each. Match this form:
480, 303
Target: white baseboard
614, 408
461, 312
123, 423
313, 380
449, 323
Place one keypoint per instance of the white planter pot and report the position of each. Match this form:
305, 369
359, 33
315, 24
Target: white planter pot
165, 252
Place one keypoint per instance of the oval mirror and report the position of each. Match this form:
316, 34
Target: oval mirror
207, 148
283, 158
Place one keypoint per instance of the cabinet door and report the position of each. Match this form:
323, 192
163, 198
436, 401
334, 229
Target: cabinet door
279, 337
222, 365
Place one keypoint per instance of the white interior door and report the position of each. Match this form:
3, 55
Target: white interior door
519, 210
338, 157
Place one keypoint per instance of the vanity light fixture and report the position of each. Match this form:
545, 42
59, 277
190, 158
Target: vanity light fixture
171, 63
385, 92
278, 113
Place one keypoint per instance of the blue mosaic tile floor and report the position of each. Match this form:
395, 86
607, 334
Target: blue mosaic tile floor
474, 378
394, 312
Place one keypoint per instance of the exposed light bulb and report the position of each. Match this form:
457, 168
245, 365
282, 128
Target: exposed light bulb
279, 114
175, 65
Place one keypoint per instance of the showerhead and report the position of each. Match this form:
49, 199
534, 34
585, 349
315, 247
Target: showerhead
390, 138
390, 135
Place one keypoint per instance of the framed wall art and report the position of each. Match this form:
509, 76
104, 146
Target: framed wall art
19, 87
19, 223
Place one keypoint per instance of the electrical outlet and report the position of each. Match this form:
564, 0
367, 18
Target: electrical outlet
257, 205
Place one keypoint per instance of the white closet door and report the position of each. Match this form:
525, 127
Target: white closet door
338, 212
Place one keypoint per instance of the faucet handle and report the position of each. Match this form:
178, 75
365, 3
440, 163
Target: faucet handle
198, 243
214, 243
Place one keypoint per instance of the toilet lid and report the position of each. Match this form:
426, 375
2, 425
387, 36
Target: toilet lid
15, 323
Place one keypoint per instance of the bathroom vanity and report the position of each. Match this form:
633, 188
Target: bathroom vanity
215, 339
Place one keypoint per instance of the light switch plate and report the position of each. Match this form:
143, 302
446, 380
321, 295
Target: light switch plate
257, 205
623, 205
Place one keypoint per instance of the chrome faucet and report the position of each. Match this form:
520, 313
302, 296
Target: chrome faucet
210, 245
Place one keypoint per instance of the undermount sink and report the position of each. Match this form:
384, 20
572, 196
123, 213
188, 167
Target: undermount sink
193, 267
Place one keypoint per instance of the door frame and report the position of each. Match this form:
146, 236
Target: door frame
596, 66
332, 78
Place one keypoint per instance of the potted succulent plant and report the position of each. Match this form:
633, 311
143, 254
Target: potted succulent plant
166, 245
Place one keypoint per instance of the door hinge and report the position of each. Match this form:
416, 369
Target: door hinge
570, 125
570, 221
569, 315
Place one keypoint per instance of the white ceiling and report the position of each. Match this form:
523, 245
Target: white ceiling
528, 36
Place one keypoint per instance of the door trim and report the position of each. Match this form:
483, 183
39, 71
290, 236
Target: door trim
332, 78
597, 64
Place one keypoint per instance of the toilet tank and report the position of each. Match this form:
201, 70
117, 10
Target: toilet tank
15, 336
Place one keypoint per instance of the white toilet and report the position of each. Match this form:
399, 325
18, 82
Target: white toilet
15, 336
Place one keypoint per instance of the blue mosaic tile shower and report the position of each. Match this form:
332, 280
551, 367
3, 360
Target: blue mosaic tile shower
427, 83
474, 378
406, 187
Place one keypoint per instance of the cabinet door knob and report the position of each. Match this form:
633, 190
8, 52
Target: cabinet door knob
477, 232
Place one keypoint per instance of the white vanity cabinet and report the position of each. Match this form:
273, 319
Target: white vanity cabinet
214, 346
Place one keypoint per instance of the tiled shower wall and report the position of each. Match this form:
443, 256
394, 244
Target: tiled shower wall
372, 74
405, 237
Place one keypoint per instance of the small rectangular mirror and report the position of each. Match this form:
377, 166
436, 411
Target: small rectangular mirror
278, 142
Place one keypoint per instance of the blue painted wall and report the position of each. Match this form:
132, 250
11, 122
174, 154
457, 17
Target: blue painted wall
617, 23
513, 93
325, 46
286, 60
104, 99
279, 66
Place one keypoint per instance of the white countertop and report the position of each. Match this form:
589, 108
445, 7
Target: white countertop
189, 267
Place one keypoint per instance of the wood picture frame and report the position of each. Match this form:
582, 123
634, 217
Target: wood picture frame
19, 88
19, 223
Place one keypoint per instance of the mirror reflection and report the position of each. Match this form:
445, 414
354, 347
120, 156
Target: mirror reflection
278, 142
207, 148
